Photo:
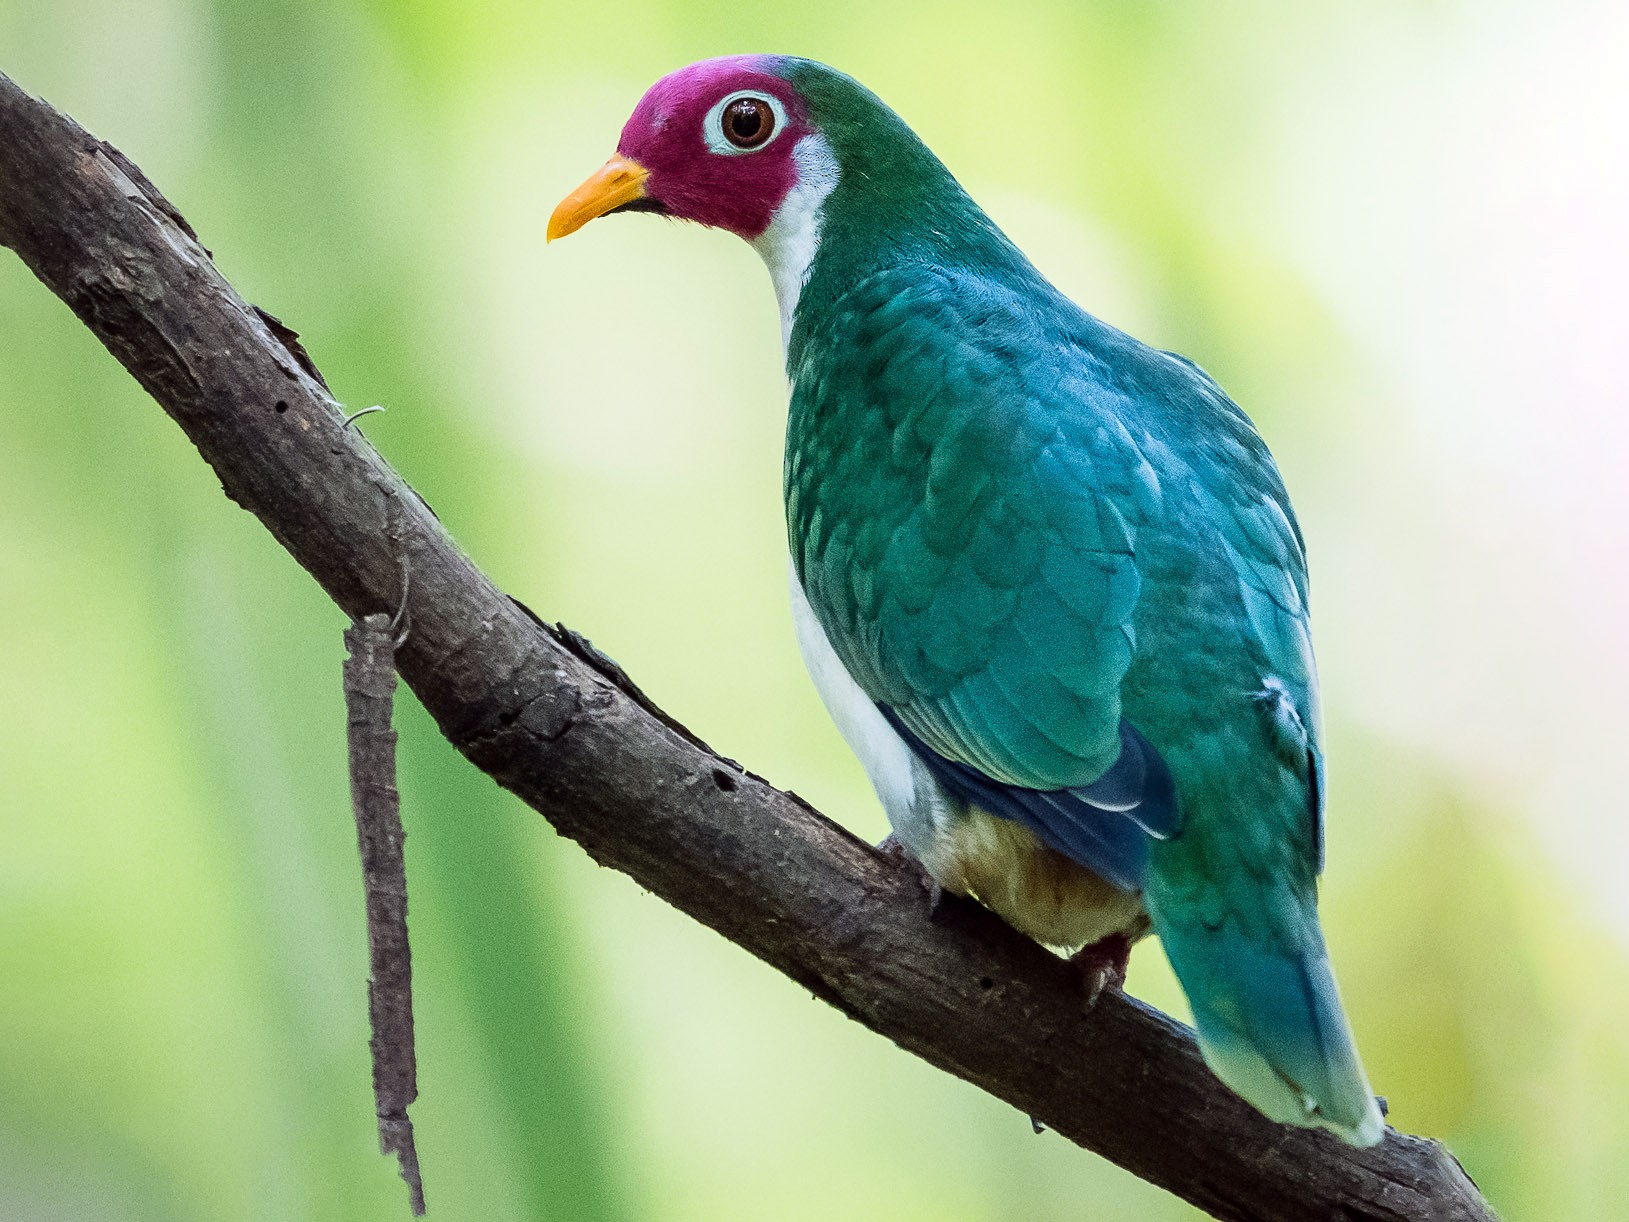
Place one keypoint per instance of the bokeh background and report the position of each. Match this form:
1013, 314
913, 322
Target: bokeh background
1395, 230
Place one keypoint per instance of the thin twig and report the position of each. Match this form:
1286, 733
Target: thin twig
370, 688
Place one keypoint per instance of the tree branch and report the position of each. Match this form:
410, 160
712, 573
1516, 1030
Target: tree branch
551, 720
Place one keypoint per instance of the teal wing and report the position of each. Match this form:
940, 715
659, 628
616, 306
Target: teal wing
1242, 494
1234, 900
963, 510
1025, 534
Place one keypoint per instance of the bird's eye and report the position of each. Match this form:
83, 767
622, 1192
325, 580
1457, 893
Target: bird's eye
744, 122
748, 122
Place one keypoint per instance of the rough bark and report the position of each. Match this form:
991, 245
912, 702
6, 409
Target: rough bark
540, 712
370, 695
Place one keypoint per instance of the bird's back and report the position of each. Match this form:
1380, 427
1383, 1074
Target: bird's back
1020, 529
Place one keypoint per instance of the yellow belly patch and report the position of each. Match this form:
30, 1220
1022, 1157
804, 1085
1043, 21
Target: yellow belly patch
1035, 889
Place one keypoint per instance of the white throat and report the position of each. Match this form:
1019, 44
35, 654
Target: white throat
789, 244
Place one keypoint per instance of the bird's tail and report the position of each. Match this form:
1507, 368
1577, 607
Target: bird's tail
1270, 1020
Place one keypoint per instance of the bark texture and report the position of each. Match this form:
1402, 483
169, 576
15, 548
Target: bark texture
370, 696
537, 709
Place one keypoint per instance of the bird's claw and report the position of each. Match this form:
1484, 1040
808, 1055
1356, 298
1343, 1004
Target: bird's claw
1103, 965
890, 846
936, 896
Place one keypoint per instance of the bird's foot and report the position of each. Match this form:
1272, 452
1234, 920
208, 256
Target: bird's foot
891, 847
1103, 965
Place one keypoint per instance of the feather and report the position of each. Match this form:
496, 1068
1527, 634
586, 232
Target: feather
1106, 826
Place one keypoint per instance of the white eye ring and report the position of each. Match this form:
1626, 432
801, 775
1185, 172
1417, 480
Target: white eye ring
712, 127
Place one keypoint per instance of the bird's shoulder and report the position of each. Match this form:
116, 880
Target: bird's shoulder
991, 495
963, 508
976, 401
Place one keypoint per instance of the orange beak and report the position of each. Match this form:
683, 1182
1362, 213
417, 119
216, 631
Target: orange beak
619, 181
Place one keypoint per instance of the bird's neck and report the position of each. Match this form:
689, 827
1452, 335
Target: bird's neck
846, 219
791, 242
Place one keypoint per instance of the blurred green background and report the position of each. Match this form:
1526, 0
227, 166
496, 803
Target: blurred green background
1394, 230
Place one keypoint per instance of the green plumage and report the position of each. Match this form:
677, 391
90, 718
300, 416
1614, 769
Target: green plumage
1018, 526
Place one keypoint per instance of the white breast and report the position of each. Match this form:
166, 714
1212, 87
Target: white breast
917, 808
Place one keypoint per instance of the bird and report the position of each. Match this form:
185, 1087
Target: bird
1046, 578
